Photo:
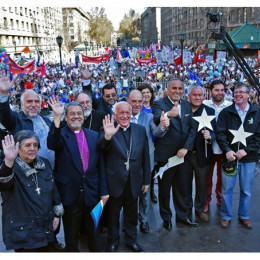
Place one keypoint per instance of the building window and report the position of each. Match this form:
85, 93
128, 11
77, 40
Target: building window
17, 25
12, 23
5, 22
10, 9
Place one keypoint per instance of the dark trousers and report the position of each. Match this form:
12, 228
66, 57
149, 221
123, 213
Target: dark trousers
201, 182
129, 205
175, 179
218, 160
47, 248
76, 215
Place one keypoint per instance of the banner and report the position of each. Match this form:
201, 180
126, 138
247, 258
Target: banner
97, 59
186, 57
16, 69
146, 61
221, 56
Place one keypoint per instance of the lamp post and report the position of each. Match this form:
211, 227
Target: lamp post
59, 41
182, 37
86, 46
14, 43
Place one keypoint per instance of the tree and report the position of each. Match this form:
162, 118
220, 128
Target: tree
100, 28
130, 26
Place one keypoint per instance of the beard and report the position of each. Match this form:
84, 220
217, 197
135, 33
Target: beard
87, 112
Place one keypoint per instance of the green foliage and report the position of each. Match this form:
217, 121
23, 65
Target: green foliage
130, 26
100, 28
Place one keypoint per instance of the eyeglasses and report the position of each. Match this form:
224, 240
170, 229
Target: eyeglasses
110, 95
240, 92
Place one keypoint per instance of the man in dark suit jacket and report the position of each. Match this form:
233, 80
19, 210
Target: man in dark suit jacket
179, 141
93, 119
79, 173
126, 153
201, 156
108, 100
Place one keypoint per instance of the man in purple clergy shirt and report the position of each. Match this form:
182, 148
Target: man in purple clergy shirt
79, 173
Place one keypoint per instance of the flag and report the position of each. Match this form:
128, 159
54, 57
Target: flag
197, 79
190, 74
38, 58
118, 56
96, 213
177, 61
16, 69
26, 49
126, 54
43, 70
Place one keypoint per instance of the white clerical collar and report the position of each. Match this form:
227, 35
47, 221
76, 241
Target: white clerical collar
124, 128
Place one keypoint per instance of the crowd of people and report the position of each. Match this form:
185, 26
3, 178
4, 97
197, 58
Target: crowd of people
103, 132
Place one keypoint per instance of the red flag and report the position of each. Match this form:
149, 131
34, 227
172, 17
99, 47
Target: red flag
177, 61
26, 49
16, 69
43, 70
146, 61
196, 59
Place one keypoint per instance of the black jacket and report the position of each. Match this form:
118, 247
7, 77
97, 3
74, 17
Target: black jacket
27, 217
14, 121
230, 120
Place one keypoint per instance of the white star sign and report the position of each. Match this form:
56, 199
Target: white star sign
240, 135
204, 120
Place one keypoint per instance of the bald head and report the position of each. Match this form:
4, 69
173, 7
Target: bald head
135, 99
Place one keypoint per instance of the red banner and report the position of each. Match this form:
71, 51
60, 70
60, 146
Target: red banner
16, 69
259, 57
97, 59
146, 61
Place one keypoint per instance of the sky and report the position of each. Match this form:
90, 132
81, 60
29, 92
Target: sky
116, 9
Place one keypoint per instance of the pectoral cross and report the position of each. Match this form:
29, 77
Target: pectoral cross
127, 164
38, 190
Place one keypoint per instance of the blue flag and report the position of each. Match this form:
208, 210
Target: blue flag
197, 79
190, 74
96, 213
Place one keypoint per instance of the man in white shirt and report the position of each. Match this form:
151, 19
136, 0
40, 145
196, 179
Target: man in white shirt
217, 102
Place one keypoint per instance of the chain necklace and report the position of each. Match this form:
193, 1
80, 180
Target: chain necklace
35, 180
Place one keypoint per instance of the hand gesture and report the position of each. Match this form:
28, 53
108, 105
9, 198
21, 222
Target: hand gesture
10, 150
174, 111
5, 83
164, 121
109, 127
56, 107
206, 134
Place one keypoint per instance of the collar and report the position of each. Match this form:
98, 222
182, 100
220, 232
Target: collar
125, 128
136, 116
239, 109
39, 165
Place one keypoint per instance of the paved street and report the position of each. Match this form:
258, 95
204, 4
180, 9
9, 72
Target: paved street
208, 237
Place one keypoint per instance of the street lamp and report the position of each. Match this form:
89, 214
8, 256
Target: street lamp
59, 41
86, 46
182, 37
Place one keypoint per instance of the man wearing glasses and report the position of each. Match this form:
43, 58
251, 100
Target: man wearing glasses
108, 100
240, 146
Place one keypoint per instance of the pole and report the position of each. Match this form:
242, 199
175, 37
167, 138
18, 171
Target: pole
60, 58
181, 52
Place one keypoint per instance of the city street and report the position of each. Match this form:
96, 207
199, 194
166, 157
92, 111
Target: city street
208, 237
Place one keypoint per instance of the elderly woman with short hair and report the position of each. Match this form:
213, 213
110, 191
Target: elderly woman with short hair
31, 202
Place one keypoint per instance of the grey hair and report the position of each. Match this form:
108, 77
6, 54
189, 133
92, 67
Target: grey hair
28, 91
23, 135
240, 85
174, 79
195, 86
74, 103
120, 103
77, 95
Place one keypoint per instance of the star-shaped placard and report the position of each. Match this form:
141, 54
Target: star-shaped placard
204, 120
240, 135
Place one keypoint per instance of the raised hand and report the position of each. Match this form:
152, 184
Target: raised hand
174, 111
56, 107
5, 83
109, 127
164, 121
10, 150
